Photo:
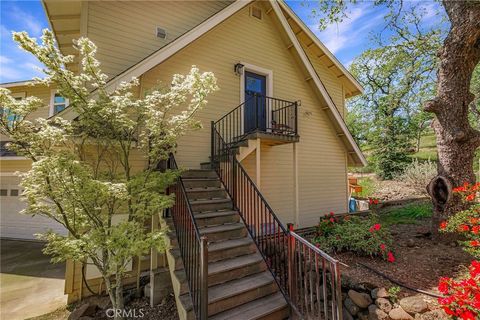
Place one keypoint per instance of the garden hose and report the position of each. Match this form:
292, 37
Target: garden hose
431, 294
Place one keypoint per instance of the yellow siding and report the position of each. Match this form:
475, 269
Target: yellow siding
125, 31
331, 82
322, 171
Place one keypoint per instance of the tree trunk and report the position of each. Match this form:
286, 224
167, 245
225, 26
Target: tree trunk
456, 139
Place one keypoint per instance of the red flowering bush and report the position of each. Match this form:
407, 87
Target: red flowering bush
466, 222
462, 297
364, 236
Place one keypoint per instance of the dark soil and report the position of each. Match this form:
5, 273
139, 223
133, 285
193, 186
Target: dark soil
420, 261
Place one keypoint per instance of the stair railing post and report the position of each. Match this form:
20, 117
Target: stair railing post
255, 99
292, 280
212, 141
203, 278
296, 118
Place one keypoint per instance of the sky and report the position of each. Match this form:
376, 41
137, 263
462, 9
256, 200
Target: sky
345, 40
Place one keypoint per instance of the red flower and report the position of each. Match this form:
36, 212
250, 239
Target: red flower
463, 227
332, 220
383, 247
475, 243
475, 229
470, 197
332, 214
467, 315
390, 257
377, 226
443, 285
443, 225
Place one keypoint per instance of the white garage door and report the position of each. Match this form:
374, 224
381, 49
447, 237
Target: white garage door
13, 224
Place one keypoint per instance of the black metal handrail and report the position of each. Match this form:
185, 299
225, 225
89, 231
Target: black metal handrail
193, 246
297, 266
259, 113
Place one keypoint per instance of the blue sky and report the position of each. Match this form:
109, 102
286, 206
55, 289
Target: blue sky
346, 40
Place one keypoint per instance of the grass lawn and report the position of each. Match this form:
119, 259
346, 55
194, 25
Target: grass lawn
408, 214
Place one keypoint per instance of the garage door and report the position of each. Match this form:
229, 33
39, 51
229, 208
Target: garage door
13, 224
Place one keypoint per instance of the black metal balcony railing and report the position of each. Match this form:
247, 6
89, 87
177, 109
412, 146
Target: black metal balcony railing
259, 113
193, 246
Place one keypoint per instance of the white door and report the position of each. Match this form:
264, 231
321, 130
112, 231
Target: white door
15, 225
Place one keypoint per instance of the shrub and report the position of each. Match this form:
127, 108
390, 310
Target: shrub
418, 174
364, 236
462, 297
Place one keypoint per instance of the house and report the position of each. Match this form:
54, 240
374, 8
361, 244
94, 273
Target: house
279, 111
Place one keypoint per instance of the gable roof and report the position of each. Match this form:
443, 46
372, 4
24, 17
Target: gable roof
282, 12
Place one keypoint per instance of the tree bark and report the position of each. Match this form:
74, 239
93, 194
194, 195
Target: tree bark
456, 139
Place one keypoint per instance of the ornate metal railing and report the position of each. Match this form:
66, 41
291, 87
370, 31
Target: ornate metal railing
193, 246
300, 269
259, 113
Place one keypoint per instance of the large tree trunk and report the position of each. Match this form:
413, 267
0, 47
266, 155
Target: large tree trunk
456, 139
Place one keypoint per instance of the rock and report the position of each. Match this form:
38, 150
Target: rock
351, 307
410, 243
347, 315
380, 293
101, 302
413, 304
362, 315
383, 304
374, 313
399, 314
79, 312
437, 314
362, 300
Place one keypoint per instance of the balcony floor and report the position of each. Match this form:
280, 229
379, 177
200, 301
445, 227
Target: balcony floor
273, 139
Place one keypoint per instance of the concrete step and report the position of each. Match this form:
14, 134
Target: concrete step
211, 205
234, 293
190, 183
216, 218
224, 232
235, 268
206, 193
230, 249
271, 307
199, 173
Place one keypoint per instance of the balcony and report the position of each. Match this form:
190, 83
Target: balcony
273, 120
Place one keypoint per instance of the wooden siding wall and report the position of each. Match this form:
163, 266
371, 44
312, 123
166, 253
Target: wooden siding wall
322, 166
125, 31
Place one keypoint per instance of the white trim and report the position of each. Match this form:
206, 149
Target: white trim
173, 47
5, 158
322, 47
269, 85
52, 102
316, 79
16, 84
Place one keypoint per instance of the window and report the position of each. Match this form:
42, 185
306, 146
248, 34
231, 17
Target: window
58, 103
3, 192
256, 12
5, 112
14, 192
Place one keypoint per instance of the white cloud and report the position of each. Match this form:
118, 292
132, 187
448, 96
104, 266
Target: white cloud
350, 31
32, 25
4, 60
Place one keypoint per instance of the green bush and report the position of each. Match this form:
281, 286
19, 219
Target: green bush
364, 236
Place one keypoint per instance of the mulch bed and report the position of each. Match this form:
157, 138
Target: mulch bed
420, 261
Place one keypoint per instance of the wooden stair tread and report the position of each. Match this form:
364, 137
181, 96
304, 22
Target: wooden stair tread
199, 178
213, 214
234, 263
222, 228
229, 244
206, 189
255, 309
238, 286
209, 201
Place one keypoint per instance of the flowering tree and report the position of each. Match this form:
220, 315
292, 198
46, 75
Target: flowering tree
82, 172
462, 297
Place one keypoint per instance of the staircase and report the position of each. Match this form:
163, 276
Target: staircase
240, 286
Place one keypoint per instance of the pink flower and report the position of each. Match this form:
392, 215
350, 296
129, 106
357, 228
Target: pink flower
383, 247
